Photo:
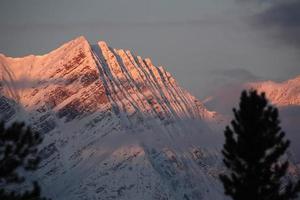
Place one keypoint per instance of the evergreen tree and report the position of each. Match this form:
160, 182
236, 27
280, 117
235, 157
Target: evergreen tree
18, 150
253, 153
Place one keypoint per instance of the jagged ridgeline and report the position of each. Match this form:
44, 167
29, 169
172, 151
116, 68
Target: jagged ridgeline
115, 125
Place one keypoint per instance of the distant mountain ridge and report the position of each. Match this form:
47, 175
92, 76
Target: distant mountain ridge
281, 94
286, 93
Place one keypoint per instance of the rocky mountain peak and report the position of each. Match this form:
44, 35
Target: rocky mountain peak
115, 125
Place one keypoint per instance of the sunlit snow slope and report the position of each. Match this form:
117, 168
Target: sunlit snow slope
281, 94
115, 125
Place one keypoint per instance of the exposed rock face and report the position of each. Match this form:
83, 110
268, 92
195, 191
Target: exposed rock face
115, 125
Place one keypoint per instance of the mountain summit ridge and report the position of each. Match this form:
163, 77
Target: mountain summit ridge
119, 65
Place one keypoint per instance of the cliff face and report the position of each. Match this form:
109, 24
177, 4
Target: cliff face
115, 125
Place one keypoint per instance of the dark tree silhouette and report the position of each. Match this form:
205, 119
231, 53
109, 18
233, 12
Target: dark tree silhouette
18, 150
253, 153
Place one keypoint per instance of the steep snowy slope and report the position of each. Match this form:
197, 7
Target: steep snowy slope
115, 125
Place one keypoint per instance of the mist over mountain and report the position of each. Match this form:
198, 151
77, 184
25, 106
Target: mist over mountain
285, 95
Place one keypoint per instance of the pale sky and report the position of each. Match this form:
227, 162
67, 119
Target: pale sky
205, 44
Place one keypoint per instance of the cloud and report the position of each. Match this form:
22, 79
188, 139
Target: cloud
236, 74
228, 86
209, 21
283, 19
280, 19
290, 116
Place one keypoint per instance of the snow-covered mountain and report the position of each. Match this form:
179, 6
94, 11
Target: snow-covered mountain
115, 126
286, 93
